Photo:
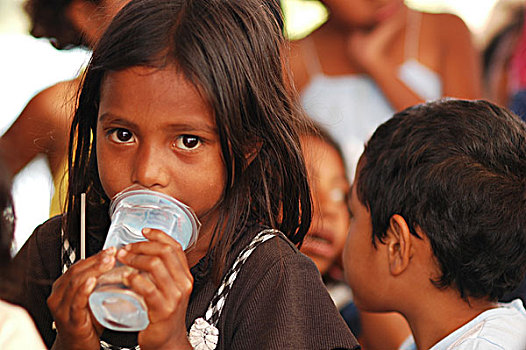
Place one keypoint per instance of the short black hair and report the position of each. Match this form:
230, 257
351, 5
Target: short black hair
457, 170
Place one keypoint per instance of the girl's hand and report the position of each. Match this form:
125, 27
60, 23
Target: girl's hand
68, 302
165, 282
368, 49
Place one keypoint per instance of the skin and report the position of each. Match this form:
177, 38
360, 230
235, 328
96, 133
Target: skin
325, 240
156, 131
43, 126
367, 37
395, 276
330, 219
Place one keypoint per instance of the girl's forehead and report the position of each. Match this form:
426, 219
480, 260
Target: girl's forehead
167, 79
155, 94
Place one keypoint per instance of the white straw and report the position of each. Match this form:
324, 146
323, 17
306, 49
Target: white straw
83, 226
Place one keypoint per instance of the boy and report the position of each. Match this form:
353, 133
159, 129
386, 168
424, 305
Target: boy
438, 231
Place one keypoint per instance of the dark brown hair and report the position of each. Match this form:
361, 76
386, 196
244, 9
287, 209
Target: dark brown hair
231, 50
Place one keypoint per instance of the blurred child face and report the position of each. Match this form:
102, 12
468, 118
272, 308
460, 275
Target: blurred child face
330, 218
155, 130
364, 265
361, 13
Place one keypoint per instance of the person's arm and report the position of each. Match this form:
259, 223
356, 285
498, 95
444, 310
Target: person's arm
42, 127
300, 74
461, 71
369, 51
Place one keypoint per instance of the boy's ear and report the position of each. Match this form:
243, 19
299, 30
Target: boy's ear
398, 242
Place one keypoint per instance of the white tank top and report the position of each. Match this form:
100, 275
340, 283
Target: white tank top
350, 107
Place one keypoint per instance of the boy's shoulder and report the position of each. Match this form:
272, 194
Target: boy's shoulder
502, 328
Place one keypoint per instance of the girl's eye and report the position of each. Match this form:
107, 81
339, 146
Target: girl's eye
121, 135
187, 142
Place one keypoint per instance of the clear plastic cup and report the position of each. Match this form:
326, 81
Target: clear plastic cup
113, 304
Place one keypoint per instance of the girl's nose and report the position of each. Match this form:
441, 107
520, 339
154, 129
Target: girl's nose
150, 169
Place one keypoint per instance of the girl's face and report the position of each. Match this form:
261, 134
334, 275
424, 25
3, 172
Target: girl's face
361, 13
330, 218
155, 130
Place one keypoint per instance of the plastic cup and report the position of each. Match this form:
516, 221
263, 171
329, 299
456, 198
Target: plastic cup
113, 304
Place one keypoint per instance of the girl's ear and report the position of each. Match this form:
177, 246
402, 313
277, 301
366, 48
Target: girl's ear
399, 247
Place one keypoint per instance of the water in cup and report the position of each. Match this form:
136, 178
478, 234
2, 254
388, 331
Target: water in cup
112, 303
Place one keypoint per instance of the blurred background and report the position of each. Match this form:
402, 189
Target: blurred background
302, 16
481, 16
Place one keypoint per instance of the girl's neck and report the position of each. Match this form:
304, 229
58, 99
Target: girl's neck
439, 315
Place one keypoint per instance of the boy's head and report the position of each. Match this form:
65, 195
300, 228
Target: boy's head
452, 173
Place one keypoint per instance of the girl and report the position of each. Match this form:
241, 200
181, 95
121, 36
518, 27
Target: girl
374, 57
188, 98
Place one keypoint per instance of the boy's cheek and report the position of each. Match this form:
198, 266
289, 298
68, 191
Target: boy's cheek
347, 259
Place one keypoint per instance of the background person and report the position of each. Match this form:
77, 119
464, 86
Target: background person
372, 58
